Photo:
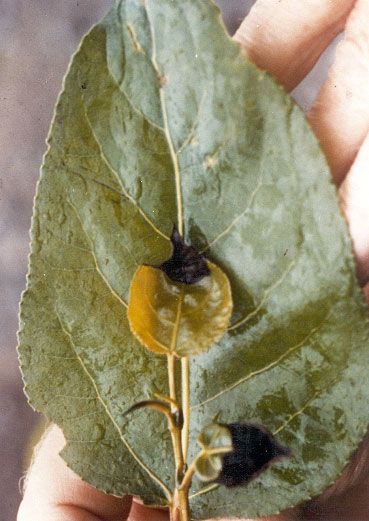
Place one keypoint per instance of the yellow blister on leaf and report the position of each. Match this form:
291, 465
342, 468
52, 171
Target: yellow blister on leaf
171, 317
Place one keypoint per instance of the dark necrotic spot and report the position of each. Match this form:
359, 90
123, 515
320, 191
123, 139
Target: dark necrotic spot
186, 264
255, 448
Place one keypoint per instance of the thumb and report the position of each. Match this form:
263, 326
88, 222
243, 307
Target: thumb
56, 493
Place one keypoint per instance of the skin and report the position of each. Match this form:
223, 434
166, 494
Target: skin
285, 37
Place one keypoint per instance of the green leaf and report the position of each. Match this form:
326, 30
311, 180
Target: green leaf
162, 122
174, 318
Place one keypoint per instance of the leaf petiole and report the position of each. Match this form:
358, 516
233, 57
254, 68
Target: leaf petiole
167, 399
185, 363
175, 430
156, 406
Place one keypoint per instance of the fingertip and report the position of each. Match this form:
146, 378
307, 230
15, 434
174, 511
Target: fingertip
286, 38
354, 197
340, 115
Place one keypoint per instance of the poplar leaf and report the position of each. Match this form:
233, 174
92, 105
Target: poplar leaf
162, 121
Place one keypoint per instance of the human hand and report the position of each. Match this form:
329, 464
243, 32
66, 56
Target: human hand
285, 37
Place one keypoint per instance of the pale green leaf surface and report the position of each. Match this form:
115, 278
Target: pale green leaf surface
160, 111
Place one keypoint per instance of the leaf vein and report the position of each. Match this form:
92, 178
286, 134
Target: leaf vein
173, 344
150, 473
264, 299
297, 413
260, 371
119, 180
96, 181
173, 153
195, 123
238, 217
98, 269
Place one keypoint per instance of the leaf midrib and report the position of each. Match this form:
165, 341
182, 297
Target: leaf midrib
173, 153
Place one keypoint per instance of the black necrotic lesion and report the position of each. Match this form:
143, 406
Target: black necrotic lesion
254, 449
186, 265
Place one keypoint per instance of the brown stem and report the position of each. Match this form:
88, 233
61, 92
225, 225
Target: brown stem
185, 405
180, 510
172, 378
174, 430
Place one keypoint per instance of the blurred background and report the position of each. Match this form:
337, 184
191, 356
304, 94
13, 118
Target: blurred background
37, 38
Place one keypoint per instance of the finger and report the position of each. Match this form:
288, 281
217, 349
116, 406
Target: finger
55, 493
354, 198
286, 37
366, 296
340, 115
141, 513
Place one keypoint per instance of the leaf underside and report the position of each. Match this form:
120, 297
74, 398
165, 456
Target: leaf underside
152, 129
